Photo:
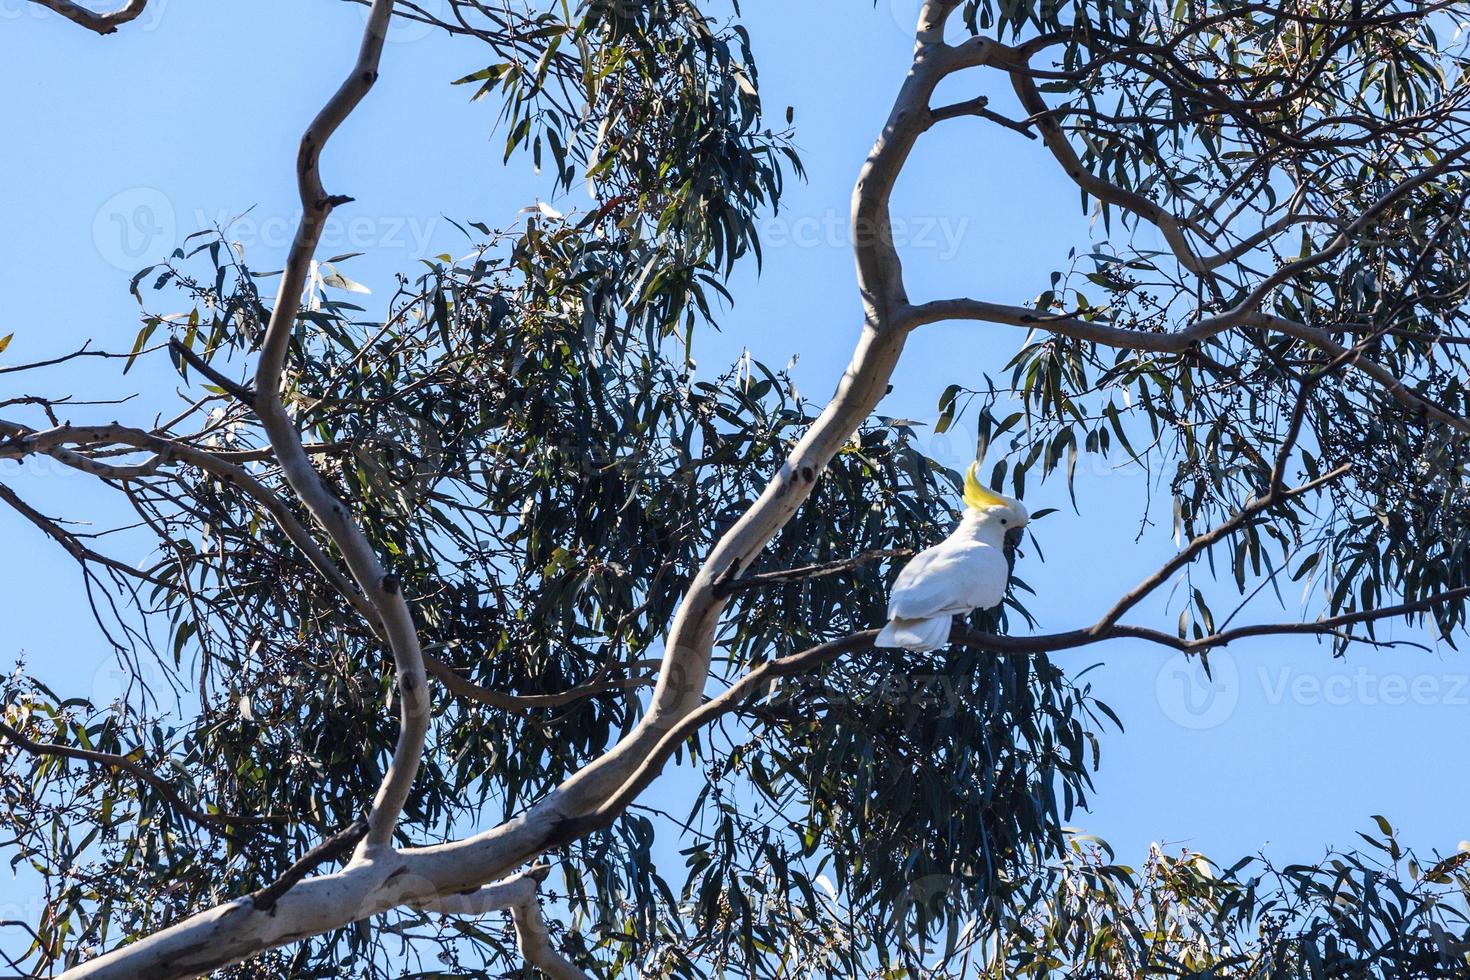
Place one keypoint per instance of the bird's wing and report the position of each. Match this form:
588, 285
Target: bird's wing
952, 577
987, 573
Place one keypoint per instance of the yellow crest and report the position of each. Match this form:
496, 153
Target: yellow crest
977, 496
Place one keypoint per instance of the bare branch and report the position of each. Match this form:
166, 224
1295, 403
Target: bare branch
978, 107
120, 763
84, 351
107, 23
337, 846
468, 689
69, 542
519, 896
787, 576
1203, 541
380, 588
234, 388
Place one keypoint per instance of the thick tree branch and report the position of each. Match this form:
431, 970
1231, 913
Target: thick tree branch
519, 896
102, 23
380, 587
880, 281
732, 698
534, 941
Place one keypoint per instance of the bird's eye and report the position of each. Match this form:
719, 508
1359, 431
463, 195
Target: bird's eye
1003, 520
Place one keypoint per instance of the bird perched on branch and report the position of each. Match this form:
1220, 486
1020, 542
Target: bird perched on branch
967, 570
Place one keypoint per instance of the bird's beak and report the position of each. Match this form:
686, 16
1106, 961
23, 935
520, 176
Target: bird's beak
1013, 538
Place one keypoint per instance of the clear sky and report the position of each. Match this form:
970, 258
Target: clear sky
116, 148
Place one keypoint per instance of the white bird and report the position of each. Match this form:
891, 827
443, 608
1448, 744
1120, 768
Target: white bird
967, 570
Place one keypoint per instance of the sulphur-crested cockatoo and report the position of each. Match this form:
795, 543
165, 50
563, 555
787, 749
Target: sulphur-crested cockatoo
967, 570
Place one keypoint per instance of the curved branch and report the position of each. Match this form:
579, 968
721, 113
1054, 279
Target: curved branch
518, 895
680, 690
229, 933
380, 588
1178, 342
163, 787
463, 687
534, 941
731, 699
102, 23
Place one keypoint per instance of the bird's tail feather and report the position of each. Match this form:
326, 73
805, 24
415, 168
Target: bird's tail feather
915, 634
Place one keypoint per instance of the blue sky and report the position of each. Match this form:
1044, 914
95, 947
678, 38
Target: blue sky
118, 147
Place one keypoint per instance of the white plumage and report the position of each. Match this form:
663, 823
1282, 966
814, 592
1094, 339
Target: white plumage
967, 570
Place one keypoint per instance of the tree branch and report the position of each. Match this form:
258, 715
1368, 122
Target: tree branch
218, 937
978, 107
1178, 342
121, 763
789, 575
102, 23
518, 895
461, 686
234, 388
1200, 543
380, 588
337, 846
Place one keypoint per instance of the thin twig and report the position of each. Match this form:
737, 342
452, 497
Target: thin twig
163, 786
787, 576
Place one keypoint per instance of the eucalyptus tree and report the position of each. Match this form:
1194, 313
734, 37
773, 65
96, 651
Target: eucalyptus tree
444, 588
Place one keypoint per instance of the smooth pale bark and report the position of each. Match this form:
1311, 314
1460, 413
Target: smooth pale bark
380, 588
